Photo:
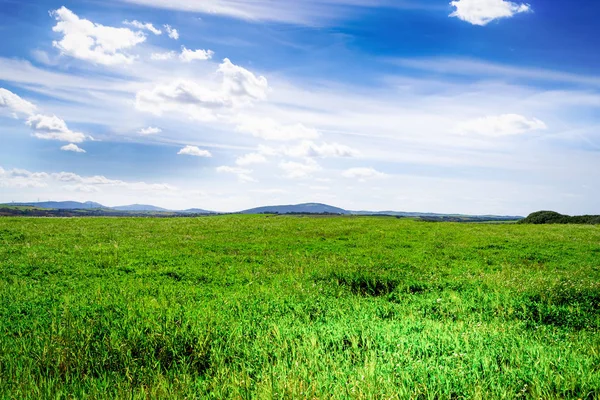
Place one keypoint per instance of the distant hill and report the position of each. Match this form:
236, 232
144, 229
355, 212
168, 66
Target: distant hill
434, 215
62, 205
139, 207
552, 217
196, 211
308, 208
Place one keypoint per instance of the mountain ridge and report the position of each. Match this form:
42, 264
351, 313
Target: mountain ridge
304, 208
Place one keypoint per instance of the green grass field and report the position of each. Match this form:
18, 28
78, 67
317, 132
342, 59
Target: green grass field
294, 307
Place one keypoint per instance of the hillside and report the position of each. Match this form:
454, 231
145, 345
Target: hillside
308, 208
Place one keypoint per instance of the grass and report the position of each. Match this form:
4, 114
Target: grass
289, 307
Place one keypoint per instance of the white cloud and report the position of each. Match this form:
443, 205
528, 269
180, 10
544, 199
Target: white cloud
269, 129
147, 26
14, 104
313, 150
296, 170
237, 87
169, 55
73, 147
250, 159
53, 128
191, 55
238, 81
501, 125
194, 151
362, 174
150, 131
102, 181
85, 40
243, 174
173, 33
482, 12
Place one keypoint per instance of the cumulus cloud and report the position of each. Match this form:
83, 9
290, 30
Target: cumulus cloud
237, 87
86, 40
169, 55
150, 131
363, 174
73, 147
14, 104
144, 26
269, 129
482, 12
173, 33
297, 170
191, 55
501, 125
53, 128
243, 174
194, 151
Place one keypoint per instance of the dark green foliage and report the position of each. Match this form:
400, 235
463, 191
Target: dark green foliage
285, 307
551, 217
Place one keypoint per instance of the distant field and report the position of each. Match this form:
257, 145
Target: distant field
297, 307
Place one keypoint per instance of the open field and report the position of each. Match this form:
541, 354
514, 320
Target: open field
295, 307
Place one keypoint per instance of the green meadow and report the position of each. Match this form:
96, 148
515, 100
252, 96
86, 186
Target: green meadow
273, 307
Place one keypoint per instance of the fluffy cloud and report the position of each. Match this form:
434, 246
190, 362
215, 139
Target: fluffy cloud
242, 173
73, 147
482, 12
145, 26
363, 174
194, 151
240, 82
296, 170
501, 125
150, 131
250, 159
312, 150
93, 42
173, 33
191, 55
53, 128
14, 104
237, 87
269, 129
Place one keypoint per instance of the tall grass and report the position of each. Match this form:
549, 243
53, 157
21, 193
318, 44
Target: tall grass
291, 307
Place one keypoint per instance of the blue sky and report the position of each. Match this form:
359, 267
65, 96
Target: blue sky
473, 106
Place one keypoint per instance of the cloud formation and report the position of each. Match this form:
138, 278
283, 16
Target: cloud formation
482, 12
50, 127
363, 174
500, 125
297, 170
88, 41
15, 104
191, 55
150, 131
242, 174
172, 32
237, 87
250, 159
269, 129
73, 148
194, 151
144, 26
